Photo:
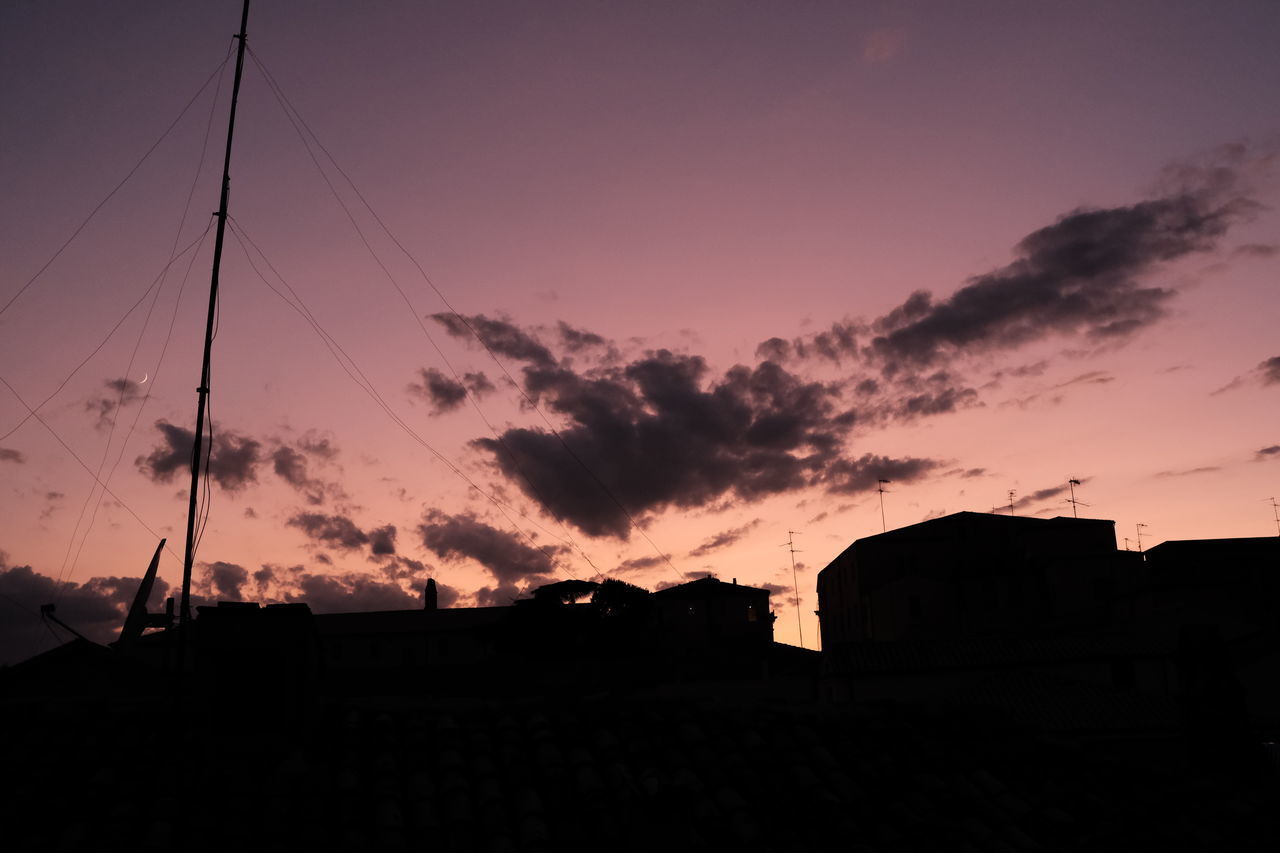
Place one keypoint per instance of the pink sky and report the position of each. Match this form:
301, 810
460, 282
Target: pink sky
690, 177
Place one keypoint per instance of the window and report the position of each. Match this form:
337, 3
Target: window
751, 613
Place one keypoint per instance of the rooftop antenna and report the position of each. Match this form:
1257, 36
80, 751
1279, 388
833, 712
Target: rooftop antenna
184, 613
880, 487
1127, 540
1275, 510
1139, 526
791, 546
1072, 482
1011, 494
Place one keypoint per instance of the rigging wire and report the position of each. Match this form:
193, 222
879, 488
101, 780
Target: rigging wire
87, 469
291, 112
32, 412
76, 233
366, 385
115, 415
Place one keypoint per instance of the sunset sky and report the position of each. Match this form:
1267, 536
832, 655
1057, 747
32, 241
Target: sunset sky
744, 258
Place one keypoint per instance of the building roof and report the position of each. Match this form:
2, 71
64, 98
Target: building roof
709, 587
405, 621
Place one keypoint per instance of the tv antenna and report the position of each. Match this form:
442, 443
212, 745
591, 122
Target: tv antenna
1275, 510
1139, 527
790, 545
1071, 484
1012, 492
880, 487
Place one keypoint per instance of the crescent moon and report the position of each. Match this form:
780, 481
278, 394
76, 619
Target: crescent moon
143, 380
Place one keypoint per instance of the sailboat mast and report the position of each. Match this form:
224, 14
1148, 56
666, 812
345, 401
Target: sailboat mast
203, 390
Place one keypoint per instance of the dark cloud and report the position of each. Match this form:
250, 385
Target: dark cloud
1268, 452
725, 538
509, 560
500, 336
10, 455
350, 591
657, 433
118, 394
500, 596
1080, 275
382, 541
233, 463
226, 581
95, 608
291, 466
444, 394
1269, 370
1258, 250
321, 447
847, 476
576, 340
639, 564
336, 531
1187, 472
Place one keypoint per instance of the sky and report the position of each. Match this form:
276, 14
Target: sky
519, 292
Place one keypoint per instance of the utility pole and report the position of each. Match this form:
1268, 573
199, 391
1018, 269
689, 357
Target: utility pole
184, 614
1140, 525
1275, 510
880, 484
795, 582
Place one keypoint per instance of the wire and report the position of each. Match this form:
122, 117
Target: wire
32, 413
290, 113
117, 187
76, 456
359, 377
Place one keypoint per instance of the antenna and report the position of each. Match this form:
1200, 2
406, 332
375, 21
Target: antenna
1072, 482
1011, 494
1275, 510
795, 582
1127, 540
881, 489
1139, 526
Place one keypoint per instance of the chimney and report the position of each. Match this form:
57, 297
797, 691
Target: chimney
430, 595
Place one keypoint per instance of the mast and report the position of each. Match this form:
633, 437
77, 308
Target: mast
203, 391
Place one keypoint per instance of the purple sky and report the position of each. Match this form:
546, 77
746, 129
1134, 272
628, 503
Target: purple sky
747, 258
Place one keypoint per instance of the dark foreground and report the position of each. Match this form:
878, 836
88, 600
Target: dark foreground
603, 772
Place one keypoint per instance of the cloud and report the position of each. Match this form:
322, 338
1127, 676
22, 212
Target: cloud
96, 608
336, 531
1272, 452
232, 464
639, 565
656, 432
350, 591
458, 537
1080, 275
119, 393
226, 581
725, 538
1258, 250
382, 541
500, 336
848, 476
1188, 472
577, 340
1269, 370
10, 455
444, 394
291, 466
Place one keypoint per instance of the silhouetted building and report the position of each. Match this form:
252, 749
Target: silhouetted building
976, 574
710, 612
